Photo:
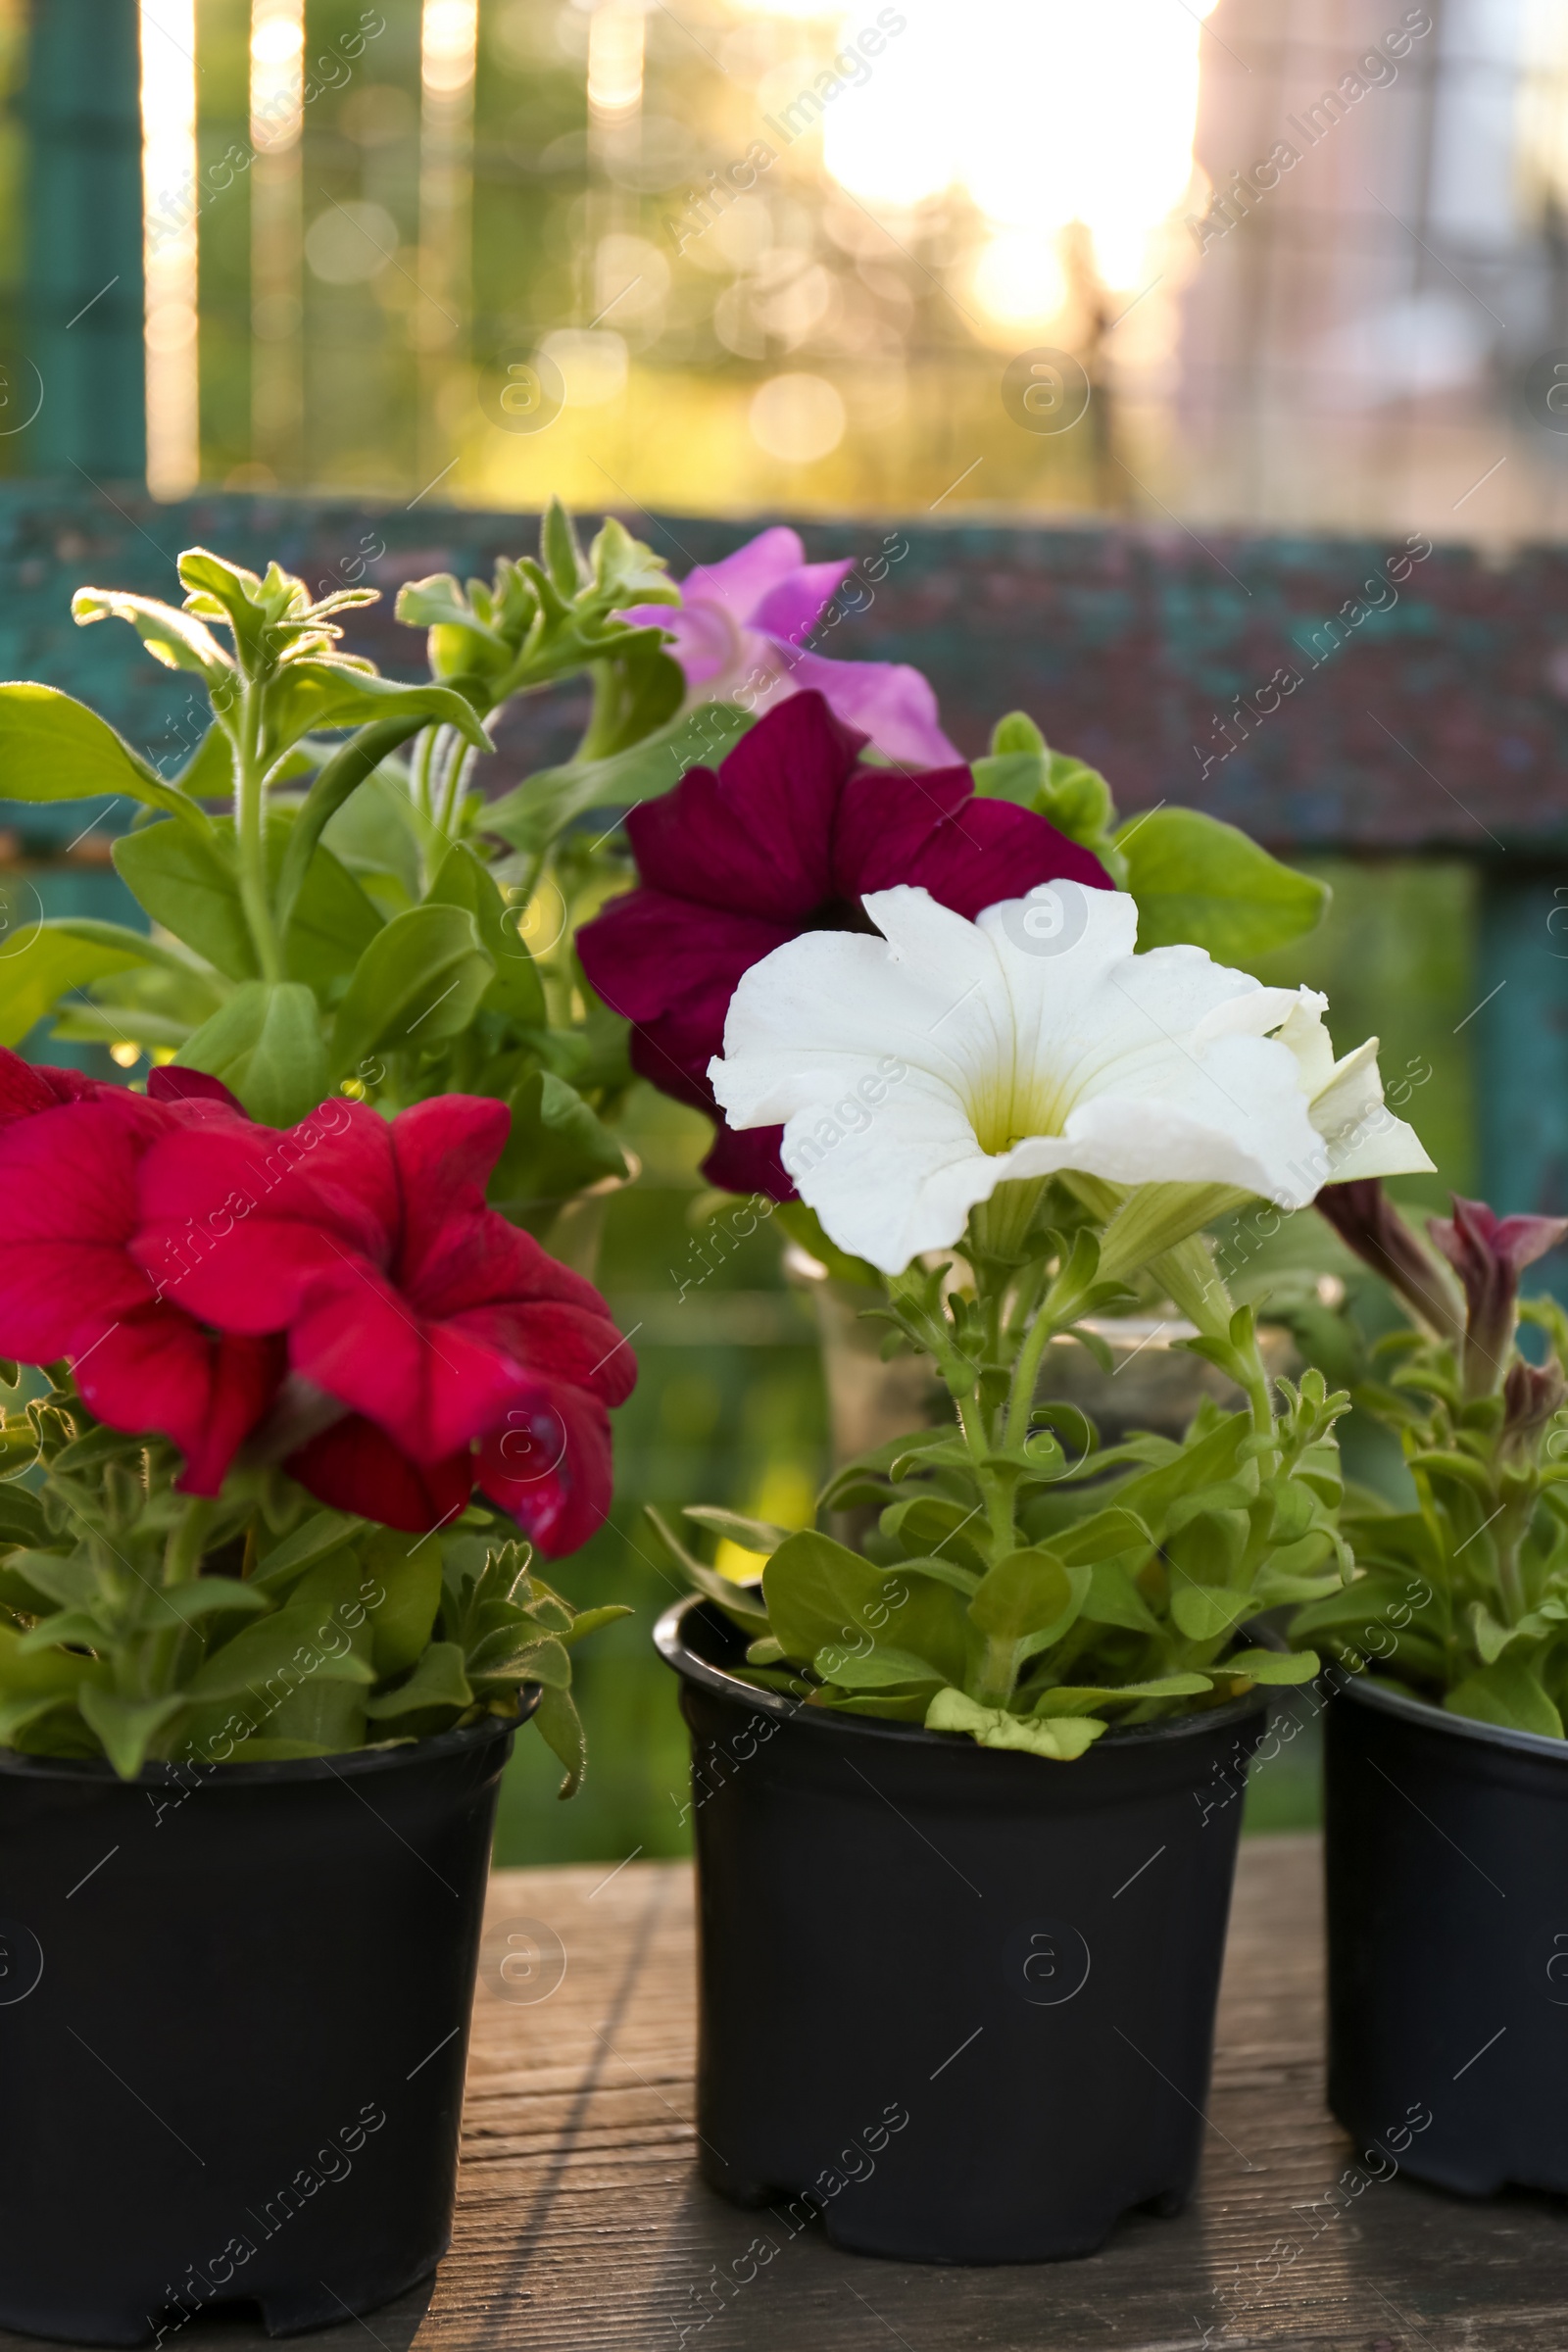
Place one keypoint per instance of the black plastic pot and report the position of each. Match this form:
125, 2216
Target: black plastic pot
233, 2020
961, 1999
1447, 1852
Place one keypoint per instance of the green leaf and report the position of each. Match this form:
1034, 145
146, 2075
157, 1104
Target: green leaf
558, 1146
346, 774
191, 886
417, 983
1205, 1611
818, 1593
56, 957
1102, 1536
589, 1621
533, 812
558, 1723
266, 1045
323, 1534
1114, 1600
44, 1674
175, 639
333, 691
740, 1606
879, 1668
751, 1534
932, 1527
126, 1727
516, 989
1059, 1738
1272, 1665
942, 1572
53, 748
1026, 1592
1508, 1693
188, 884
437, 1680
1197, 881
68, 1579
201, 1596
408, 1578
274, 1655
1078, 1697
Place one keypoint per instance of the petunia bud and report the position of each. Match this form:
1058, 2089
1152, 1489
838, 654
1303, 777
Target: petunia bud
1531, 1396
1367, 1222
1488, 1253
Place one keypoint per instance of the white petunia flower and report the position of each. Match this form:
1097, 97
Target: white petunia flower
916, 1072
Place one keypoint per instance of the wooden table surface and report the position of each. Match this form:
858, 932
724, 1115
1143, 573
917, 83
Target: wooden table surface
581, 2223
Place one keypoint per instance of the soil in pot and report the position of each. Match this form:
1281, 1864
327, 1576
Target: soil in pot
234, 2022
960, 2000
1447, 1865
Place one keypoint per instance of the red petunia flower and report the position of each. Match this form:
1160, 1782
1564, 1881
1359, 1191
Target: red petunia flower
71, 1156
788, 837
419, 1324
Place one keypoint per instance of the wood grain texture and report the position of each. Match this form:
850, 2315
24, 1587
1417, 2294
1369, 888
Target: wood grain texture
582, 2225
1437, 720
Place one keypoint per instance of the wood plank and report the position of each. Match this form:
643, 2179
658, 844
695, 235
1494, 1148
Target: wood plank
582, 2225
1439, 720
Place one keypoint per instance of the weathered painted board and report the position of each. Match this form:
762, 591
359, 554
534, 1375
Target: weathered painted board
1441, 720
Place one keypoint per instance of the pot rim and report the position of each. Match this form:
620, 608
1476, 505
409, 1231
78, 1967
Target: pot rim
678, 1653
1365, 1691
162, 1771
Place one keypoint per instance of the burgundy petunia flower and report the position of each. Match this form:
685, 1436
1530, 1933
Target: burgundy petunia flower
71, 1156
788, 837
740, 630
1488, 1253
419, 1324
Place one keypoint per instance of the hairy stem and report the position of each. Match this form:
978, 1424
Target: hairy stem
250, 834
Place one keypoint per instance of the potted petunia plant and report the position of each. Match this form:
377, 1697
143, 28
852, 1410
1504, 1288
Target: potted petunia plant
1445, 1788
337, 900
302, 1410
968, 1796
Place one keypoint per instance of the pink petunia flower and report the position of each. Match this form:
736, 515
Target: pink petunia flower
787, 837
430, 1343
740, 632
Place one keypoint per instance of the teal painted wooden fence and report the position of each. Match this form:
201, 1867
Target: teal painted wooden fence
1331, 694
83, 340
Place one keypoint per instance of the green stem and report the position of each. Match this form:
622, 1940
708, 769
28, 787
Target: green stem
1025, 1377
250, 834
604, 719
183, 1550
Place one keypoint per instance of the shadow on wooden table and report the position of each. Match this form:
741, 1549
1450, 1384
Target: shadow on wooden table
582, 2225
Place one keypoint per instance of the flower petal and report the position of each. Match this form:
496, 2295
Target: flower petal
757, 838
549, 1465
68, 1207
914, 1076
888, 701
237, 1222
429, 1385
649, 950
352, 1466
739, 582
158, 1370
793, 607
